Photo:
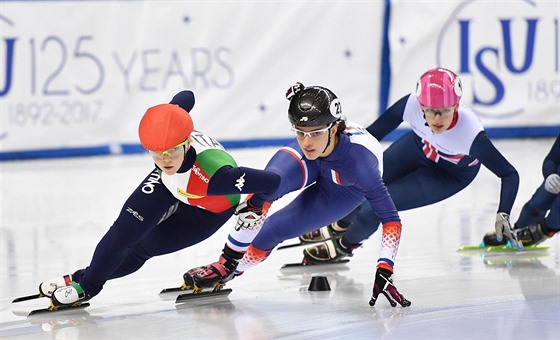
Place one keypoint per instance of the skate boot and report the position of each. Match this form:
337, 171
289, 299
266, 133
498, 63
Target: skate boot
530, 235
328, 251
324, 233
70, 296
46, 288
188, 277
215, 274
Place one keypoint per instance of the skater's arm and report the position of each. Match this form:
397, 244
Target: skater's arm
552, 160
369, 180
385, 209
389, 120
483, 149
242, 180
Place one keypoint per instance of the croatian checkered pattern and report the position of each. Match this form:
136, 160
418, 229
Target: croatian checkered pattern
252, 257
389, 244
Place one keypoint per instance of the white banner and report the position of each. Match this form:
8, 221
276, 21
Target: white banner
505, 52
82, 73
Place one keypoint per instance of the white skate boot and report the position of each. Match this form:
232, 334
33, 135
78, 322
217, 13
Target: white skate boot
46, 288
69, 296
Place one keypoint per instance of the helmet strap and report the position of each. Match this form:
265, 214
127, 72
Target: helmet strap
329, 141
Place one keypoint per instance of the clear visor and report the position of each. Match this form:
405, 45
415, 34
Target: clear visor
432, 112
315, 134
171, 152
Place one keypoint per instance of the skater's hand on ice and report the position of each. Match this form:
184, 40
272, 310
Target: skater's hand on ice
384, 285
503, 227
552, 184
248, 216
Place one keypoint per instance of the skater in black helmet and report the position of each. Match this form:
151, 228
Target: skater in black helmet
322, 160
440, 157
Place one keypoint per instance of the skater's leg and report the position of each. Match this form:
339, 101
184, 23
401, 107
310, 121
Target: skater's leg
431, 185
139, 215
536, 208
188, 226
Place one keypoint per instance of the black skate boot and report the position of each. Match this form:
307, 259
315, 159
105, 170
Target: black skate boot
322, 234
188, 277
329, 251
218, 273
530, 235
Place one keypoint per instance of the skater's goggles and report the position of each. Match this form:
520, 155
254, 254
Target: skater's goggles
315, 134
432, 112
171, 152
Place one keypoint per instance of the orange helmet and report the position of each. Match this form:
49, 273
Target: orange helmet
164, 126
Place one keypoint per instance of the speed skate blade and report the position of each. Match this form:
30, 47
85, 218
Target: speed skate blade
204, 296
301, 265
175, 290
25, 298
167, 294
536, 247
293, 245
504, 248
60, 310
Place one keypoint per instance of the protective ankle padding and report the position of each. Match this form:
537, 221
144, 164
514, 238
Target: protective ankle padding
230, 254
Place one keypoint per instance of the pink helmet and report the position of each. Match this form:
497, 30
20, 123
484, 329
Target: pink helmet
439, 87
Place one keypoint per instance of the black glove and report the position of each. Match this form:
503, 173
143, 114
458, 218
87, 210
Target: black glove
384, 285
185, 99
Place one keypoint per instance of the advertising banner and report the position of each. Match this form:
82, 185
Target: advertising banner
82, 73
505, 52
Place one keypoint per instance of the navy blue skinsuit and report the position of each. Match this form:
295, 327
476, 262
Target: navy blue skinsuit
542, 201
153, 221
418, 174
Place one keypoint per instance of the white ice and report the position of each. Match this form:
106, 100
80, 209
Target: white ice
55, 211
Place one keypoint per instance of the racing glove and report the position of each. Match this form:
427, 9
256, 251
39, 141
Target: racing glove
504, 227
552, 184
383, 284
248, 216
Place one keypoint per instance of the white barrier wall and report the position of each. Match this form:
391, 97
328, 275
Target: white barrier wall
506, 53
82, 73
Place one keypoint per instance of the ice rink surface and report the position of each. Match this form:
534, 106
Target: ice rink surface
55, 211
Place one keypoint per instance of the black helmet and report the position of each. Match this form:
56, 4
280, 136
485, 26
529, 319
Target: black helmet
314, 106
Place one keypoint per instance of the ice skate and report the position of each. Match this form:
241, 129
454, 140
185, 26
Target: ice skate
326, 252
322, 234
530, 235
188, 277
215, 274
72, 295
46, 288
